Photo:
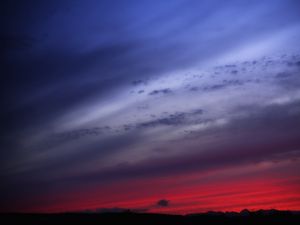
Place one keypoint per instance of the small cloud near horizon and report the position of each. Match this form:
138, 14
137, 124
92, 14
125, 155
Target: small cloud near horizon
163, 203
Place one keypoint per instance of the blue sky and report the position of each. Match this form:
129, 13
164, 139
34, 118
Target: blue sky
104, 90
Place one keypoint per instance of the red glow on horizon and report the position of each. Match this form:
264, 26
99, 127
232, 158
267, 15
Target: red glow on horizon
185, 197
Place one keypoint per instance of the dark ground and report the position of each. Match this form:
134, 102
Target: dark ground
245, 217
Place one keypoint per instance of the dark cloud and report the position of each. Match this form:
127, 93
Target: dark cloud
233, 82
80, 133
234, 72
230, 66
225, 83
194, 89
173, 119
161, 91
177, 118
214, 87
138, 82
163, 203
283, 75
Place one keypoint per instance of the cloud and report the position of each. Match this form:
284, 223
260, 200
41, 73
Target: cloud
214, 87
177, 118
138, 82
163, 203
80, 133
173, 119
161, 91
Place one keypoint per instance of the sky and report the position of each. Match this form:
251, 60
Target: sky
176, 107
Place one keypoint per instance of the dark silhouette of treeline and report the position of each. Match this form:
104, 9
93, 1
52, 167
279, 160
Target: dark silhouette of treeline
245, 217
